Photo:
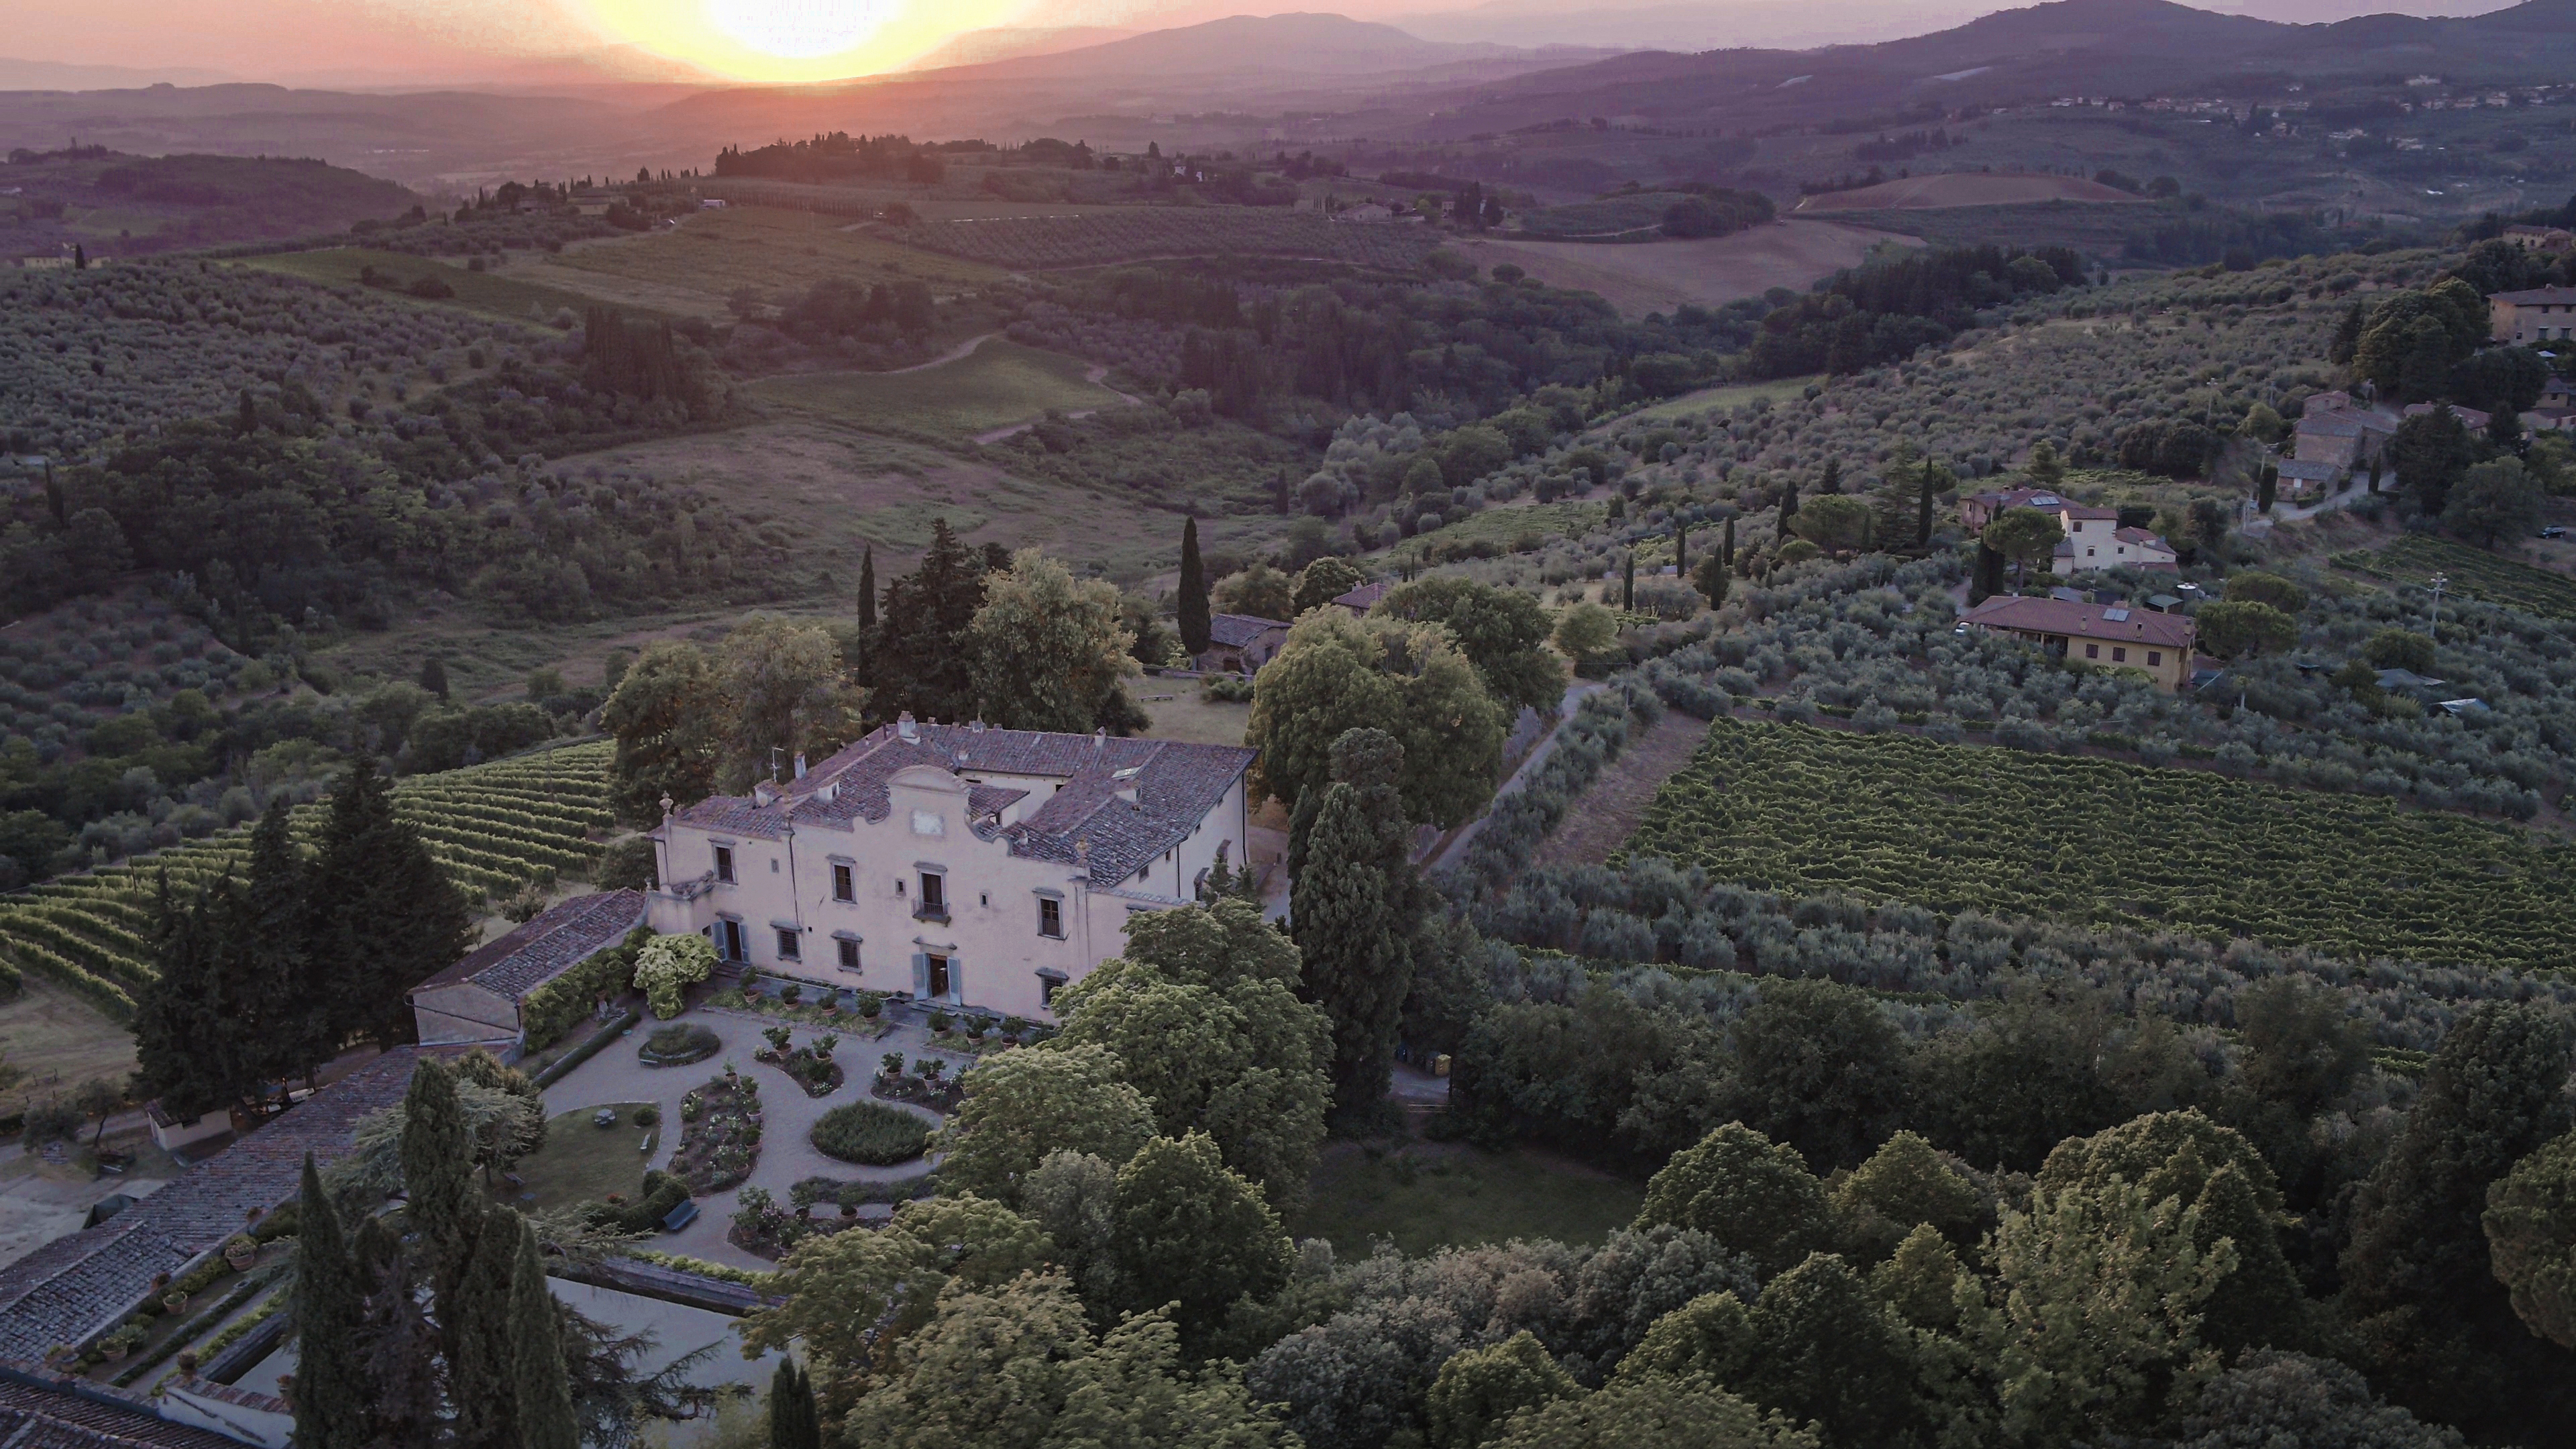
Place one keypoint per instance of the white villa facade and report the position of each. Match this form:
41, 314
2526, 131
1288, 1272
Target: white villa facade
974, 867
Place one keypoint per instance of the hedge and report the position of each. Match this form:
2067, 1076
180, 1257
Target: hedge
597, 1043
552, 1009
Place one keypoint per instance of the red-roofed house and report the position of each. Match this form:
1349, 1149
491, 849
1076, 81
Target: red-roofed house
2542, 314
1241, 643
2106, 636
1364, 598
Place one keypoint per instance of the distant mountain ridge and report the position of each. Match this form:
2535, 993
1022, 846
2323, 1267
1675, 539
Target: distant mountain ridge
1298, 43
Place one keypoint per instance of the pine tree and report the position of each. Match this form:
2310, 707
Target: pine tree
541, 1386
386, 917
1193, 602
288, 998
433, 676
868, 588
438, 1180
920, 664
793, 1421
178, 1044
332, 1391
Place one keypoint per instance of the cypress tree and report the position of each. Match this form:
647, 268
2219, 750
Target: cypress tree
401, 1348
438, 1180
332, 1392
1832, 482
288, 997
386, 917
1789, 500
793, 1421
247, 422
177, 1041
868, 588
1356, 905
542, 1387
476, 1323
1681, 550
1726, 549
1923, 511
1193, 603
1628, 585
433, 676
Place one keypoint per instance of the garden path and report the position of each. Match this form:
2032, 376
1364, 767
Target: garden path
787, 1154
1456, 850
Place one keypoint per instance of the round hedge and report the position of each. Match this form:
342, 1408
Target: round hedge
679, 1044
871, 1133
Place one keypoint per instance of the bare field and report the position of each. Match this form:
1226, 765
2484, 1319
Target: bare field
59, 1041
1644, 277
517, 293
997, 384
1964, 188
1608, 813
1691, 404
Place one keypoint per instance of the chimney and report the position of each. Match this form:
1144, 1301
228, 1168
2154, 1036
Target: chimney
764, 794
1082, 849
905, 729
800, 766
1100, 738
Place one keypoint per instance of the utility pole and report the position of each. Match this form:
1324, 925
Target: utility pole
2439, 583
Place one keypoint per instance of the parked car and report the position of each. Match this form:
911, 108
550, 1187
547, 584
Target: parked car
2553, 531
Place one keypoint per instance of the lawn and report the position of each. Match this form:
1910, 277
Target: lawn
998, 384
1426, 1196
59, 1041
1510, 525
494, 294
582, 1163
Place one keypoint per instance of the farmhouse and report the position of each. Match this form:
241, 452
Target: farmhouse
2109, 636
2301, 478
2542, 314
478, 1000
2540, 238
953, 863
1363, 598
2470, 418
2094, 538
1241, 643
2335, 431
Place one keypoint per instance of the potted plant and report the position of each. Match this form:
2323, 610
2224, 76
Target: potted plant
241, 1252
823, 1044
871, 1006
791, 993
174, 1302
940, 1022
892, 1062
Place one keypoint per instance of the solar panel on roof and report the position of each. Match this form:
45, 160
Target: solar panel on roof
2115, 616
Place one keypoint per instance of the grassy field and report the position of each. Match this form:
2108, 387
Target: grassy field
1659, 276
696, 266
999, 384
492, 293
2473, 573
1509, 525
1426, 1196
1967, 188
1188, 715
585, 1163
1692, 404
59, 1041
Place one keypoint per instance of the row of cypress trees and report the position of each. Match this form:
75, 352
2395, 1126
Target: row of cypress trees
441, 1332
263, 979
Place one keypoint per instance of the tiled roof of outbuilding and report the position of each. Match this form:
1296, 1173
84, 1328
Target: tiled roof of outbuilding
567, 934
1233, 631
36, 1416
1088, 819
2112, 622
75, 1287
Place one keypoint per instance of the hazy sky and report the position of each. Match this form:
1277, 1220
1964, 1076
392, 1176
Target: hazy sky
399, 41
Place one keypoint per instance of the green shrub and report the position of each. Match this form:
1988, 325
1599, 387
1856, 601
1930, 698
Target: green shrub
871, 1133
662, 1192
679, 1044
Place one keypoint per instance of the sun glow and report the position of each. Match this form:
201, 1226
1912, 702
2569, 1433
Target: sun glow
795, 40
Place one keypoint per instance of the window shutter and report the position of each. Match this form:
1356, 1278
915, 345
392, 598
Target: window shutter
956, 981
920, 974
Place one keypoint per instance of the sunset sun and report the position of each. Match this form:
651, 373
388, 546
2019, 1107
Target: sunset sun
794, 40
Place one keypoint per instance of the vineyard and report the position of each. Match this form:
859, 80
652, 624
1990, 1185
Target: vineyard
2474, 573
492, 827
1953, 828
1038, 242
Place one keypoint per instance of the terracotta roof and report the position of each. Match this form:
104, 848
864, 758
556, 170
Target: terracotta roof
1363, 598
2142, 538
2021, 498
2312, 471
2083, 621
1087, 820
569, 933
76, 1287
2470, 418
37, 1415
2088, 515
2552, 296
1233, 631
